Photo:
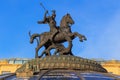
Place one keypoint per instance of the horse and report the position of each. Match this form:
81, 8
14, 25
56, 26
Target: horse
44, 40
64, 29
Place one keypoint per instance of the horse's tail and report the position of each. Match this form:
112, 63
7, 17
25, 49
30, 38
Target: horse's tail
29, 33
34, 36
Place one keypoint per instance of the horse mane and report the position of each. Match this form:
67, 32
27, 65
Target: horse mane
62, 22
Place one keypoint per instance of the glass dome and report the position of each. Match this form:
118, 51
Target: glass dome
69, 75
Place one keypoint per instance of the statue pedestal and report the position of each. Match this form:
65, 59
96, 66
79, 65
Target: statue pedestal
62, 62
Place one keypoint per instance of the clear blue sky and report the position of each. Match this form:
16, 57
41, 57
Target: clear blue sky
98, 20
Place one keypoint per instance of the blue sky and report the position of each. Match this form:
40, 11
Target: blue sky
98, 20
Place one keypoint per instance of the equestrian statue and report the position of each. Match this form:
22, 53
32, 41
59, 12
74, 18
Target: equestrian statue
56, 36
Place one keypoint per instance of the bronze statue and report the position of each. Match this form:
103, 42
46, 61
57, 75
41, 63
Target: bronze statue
52, 23
58, 46
60, 50
63, 59
64, 29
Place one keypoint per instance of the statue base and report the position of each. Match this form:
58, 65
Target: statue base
61, 62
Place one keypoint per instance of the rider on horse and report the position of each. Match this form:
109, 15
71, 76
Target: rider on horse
52, 23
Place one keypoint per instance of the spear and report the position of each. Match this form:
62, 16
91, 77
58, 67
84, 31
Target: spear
44, 8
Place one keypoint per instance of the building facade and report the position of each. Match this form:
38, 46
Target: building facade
112, 66
11, 65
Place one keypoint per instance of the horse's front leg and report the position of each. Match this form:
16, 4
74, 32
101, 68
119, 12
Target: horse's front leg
81, 37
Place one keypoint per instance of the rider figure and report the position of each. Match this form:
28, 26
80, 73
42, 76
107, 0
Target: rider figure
52, 23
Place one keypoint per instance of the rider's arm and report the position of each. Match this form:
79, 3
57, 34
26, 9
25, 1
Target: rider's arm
44, 20
45, 15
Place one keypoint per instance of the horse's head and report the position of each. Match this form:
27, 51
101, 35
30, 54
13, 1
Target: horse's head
69, 19
66, 21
